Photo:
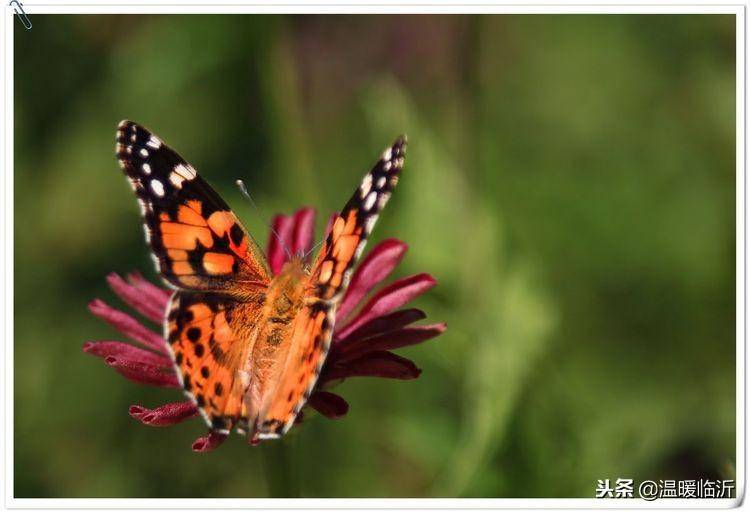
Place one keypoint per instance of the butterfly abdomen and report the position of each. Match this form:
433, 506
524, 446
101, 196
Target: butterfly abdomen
283, 301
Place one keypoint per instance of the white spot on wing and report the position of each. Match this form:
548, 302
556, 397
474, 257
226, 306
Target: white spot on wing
186, 171
380, 183
387, 154
370, 223
370, 200
154, 142
176, 179
144, 152
364, 188
146, 169
383, 199
157, 187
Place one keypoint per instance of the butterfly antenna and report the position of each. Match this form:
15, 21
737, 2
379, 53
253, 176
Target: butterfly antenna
311, 250
246, 194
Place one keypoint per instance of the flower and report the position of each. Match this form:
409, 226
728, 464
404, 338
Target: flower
361, 345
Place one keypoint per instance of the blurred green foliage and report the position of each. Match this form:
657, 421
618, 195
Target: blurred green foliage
570, 183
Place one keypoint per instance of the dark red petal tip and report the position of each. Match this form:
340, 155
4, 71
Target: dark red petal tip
389, 340
375, 267
142, 373
134, 297
279, 242
127, 325
328, 404
126, 352
303, 230
382, 324
375, 364
389, 298
168, 414
209, 442
154, 293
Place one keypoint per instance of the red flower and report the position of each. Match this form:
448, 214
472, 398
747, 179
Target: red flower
361, 344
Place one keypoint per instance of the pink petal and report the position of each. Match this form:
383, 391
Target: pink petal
328, 404
279, 246
168, 414
389, 298
387, 323
127, 325
376, 364
142, 373
209, 442
155, 294
126, 352
303, 228
390, 340
375, 267
136, 299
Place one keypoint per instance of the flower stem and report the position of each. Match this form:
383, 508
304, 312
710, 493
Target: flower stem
280, 468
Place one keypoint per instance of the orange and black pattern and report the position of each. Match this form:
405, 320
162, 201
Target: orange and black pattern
353, 225
208, 333
197, 241
248, 347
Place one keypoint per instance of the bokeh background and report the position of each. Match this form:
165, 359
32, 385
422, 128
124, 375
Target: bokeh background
570, 182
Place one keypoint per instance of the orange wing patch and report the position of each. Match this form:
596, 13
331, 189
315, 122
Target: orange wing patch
311, 339
210, 336
197, 241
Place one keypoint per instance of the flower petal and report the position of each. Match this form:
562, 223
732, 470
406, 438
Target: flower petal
303, 229
328, 404
389, 298
375, 364
379, 325
142, 373
168, 414
136, 299
152, 292
278, 242
375, 267
127, 325
125, 351
209, 442
390, 341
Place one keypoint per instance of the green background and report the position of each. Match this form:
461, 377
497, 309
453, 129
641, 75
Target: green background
570, 182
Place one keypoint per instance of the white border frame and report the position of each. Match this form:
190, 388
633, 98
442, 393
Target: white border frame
382, 6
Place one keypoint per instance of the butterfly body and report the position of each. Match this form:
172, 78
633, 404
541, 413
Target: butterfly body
247, 345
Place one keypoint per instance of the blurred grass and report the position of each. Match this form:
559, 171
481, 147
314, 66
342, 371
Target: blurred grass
570, 183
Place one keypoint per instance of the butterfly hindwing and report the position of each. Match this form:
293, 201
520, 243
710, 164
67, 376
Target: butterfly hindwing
311, 338
197, 241
329, 278
210, 335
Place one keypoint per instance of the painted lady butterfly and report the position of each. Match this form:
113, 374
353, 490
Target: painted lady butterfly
247, 345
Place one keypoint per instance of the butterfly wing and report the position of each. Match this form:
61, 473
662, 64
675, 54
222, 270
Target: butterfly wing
328, 280
202, 249
211, 335
197, 241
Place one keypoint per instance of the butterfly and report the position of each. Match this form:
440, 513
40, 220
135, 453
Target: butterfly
247, 345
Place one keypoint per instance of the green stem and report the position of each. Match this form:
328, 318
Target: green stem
280, 469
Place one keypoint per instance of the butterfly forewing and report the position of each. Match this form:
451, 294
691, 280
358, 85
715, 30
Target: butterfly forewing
197, 241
